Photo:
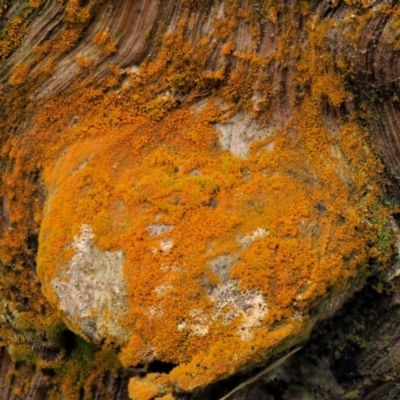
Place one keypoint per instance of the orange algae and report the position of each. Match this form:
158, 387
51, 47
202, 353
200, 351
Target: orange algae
311, 220
298, 216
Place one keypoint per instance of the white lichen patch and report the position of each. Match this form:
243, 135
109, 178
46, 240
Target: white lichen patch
134, 69
195, 172
231, 303
163, 289
270, 147
155, 312
246, 240
91, 288
148, 354
172, 268
198, 324
222, 265
257, 100
237, 134
158, 229
166, 245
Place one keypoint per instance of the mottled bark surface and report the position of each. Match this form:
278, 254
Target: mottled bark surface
321, 73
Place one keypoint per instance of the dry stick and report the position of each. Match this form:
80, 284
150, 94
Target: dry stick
264, 371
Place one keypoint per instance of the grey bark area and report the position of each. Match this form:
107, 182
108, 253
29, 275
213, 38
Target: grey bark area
11, 376
356, 353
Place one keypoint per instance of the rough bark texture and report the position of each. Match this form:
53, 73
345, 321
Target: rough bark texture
105, 106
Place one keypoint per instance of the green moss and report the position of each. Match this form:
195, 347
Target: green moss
161, 390
57, 334
354, 394
82, 353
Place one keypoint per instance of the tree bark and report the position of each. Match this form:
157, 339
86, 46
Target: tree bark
306, 69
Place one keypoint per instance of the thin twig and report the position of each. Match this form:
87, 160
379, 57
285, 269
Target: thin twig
274, 365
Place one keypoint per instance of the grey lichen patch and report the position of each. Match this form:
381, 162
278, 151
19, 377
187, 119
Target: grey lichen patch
197, 324
158, 229
229, 303
161, 290
246, 240
222, 265
166, 245
91, 288
237, 134
155, 312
